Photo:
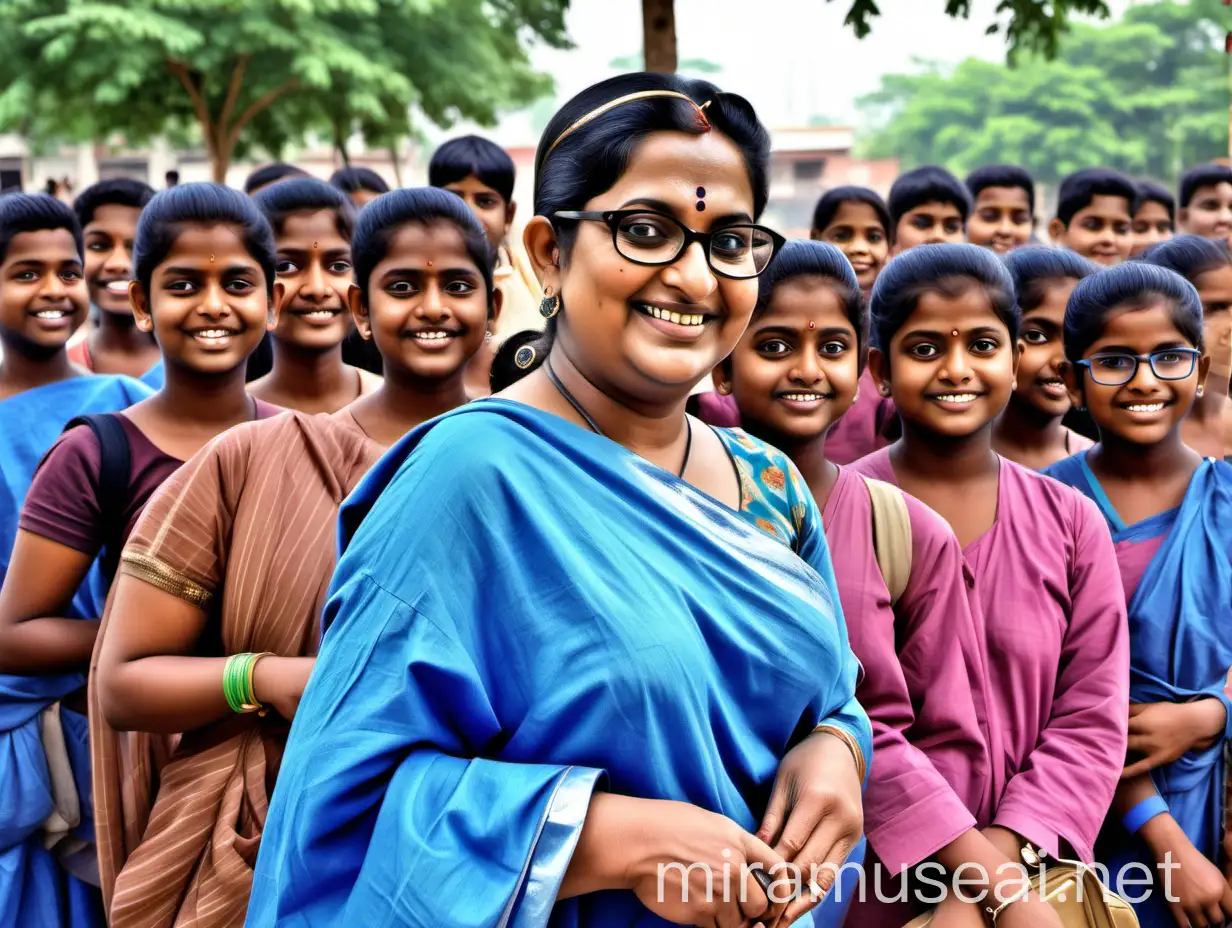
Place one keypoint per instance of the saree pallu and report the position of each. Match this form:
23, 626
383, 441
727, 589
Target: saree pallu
34, 888
525, 611
1180, 623
244, 531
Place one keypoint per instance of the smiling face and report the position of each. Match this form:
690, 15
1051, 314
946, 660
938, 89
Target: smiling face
929, 224
1041, 385
796, 370
1001, 219
944, 383
612, 324
857, 232
1145, 410
427, 310
1102, 230
1215, 290
1151, 225
109, 257
1209, 212
208, 305
42, 291
314, 265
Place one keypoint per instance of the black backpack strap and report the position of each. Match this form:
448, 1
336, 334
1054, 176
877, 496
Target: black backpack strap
113, 477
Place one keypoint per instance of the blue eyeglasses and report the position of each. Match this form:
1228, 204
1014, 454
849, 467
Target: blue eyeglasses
1115, 369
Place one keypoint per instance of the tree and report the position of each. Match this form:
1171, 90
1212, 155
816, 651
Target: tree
259, 73
1145, 95
1028, 25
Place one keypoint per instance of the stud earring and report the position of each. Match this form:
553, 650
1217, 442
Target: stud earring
524, 357
550, 305
724, 389
1201, 389
884, 390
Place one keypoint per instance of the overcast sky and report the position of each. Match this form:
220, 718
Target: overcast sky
792, 58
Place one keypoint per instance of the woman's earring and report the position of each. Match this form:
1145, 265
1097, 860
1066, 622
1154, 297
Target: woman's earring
1201, 389
724, 389
487, 336
524, 357
884, 389
550, 305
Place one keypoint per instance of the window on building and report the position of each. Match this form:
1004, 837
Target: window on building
808, 168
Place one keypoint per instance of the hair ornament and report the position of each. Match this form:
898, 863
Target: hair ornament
620, 101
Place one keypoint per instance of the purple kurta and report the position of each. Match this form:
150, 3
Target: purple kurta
1048, 602
930, 765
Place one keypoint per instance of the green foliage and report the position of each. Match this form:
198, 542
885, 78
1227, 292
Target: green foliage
1033, 26
263, 72
1147, 95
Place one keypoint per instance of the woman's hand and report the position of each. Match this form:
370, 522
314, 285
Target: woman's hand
1162, 732
815, 815
279, 682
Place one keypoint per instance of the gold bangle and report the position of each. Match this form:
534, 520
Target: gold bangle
250, 693
994, 914
852, 745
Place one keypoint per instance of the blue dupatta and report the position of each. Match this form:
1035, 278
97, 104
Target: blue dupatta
33, 888
524, 611
1180, 627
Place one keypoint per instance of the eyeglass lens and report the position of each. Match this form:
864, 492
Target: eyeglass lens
1114, 370
735, 251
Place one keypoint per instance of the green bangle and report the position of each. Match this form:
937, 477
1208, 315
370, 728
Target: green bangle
237, 686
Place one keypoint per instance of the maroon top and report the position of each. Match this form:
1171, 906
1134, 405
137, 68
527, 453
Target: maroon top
62, 504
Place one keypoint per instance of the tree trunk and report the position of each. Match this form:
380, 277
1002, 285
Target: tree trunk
396, 159
659, 36
219, 163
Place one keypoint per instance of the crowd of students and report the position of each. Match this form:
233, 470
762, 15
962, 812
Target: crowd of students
937, 571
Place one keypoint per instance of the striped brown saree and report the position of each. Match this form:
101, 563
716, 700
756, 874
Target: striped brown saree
245, 531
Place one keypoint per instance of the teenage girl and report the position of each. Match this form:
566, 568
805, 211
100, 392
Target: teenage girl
1044, 592
313, 223
1207, 264
856, 221
204, 285
1135, 340
1029, 431
793, 374
235, 553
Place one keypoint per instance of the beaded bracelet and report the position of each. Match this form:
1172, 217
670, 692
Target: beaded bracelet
237, 685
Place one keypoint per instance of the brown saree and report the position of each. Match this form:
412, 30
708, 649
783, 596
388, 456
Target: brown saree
245, 530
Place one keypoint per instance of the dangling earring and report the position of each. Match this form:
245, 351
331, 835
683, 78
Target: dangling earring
550, 305
487, 336
1201, 389
724, 389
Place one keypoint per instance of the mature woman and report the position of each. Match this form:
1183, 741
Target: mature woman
576, 636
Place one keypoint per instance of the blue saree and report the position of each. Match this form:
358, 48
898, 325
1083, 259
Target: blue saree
523, 612
1180, 627
34, 887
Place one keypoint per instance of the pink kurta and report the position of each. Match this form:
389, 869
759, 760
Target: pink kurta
1048, 598
930, 765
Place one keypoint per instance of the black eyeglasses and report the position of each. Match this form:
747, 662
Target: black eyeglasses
738, 251
1114, 369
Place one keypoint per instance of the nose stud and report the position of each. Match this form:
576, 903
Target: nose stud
954, 333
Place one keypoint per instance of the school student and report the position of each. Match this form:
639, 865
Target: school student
312, 223
945, 323
483, 174
1095, 215
1207, 264
234, 554
268, 174
203, 283
903, 590
1003, 214
362, 185
45, 872
1205, 201
108, 212
1030, 431
1134, 339
1155, 218
928, 205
